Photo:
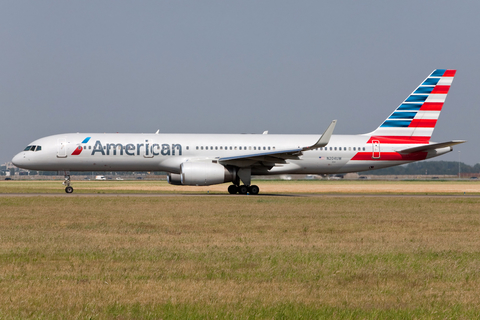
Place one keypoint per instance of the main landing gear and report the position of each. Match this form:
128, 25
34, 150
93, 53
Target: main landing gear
66, 183
245, 175
243, 189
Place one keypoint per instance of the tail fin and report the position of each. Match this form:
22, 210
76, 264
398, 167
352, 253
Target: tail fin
414, 120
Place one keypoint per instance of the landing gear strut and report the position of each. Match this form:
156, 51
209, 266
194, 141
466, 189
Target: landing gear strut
245, 175
66, 183
243, 189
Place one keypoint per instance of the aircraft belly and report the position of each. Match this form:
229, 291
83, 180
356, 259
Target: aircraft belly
358, 166
311, 165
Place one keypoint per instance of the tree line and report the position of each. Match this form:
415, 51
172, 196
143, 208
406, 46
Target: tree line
427, 167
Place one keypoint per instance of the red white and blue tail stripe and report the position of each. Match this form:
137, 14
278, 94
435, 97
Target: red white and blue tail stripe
414, 120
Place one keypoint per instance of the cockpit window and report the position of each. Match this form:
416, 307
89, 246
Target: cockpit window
33, 148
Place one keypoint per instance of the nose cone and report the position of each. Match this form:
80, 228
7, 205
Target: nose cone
20, 160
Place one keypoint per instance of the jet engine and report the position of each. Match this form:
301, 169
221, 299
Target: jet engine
202, 174
174, 178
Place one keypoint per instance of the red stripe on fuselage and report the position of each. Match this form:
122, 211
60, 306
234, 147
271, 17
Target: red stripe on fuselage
432, 106
423, 123
390, 156
400, 139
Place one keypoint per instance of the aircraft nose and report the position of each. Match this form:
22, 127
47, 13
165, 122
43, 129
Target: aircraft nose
19, 160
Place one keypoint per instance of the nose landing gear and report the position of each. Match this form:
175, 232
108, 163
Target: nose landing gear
66, 183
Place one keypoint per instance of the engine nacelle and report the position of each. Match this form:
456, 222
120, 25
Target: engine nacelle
205, 173
174, 178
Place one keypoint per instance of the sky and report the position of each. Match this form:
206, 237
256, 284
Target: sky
232, 67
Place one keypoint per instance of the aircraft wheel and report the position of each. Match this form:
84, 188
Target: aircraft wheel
68, 189
232, 189
243, 189
254, 189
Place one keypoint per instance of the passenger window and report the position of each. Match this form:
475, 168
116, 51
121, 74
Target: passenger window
216, 148
335, 148
268, 148
264, 148
201, 147
187, 147
363, 148
273, 148
235, 148
197, 147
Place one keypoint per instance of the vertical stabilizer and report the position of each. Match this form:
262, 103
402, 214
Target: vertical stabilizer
415, 119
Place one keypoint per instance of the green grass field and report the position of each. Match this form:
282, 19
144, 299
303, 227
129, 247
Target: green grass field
239, 257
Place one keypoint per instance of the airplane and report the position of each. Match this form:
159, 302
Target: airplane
208, 159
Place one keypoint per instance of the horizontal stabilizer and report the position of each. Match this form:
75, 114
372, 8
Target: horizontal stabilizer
431, 146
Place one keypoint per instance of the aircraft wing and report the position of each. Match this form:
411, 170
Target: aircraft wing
432, 146
279, 156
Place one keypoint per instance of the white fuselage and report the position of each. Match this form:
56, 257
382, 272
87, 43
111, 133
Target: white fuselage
166, 152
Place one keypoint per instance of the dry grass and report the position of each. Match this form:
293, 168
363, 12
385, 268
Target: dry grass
266, 187
194, 257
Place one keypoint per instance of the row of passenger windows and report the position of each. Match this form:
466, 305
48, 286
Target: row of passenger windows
233, 148
273, 148
33, 148
341, 149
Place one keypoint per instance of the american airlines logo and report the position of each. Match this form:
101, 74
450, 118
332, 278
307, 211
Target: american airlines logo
131, 149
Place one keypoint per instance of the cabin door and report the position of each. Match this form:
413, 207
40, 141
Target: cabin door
62, 148
376, 149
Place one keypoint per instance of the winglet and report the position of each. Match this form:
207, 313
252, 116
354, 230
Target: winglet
324, 139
